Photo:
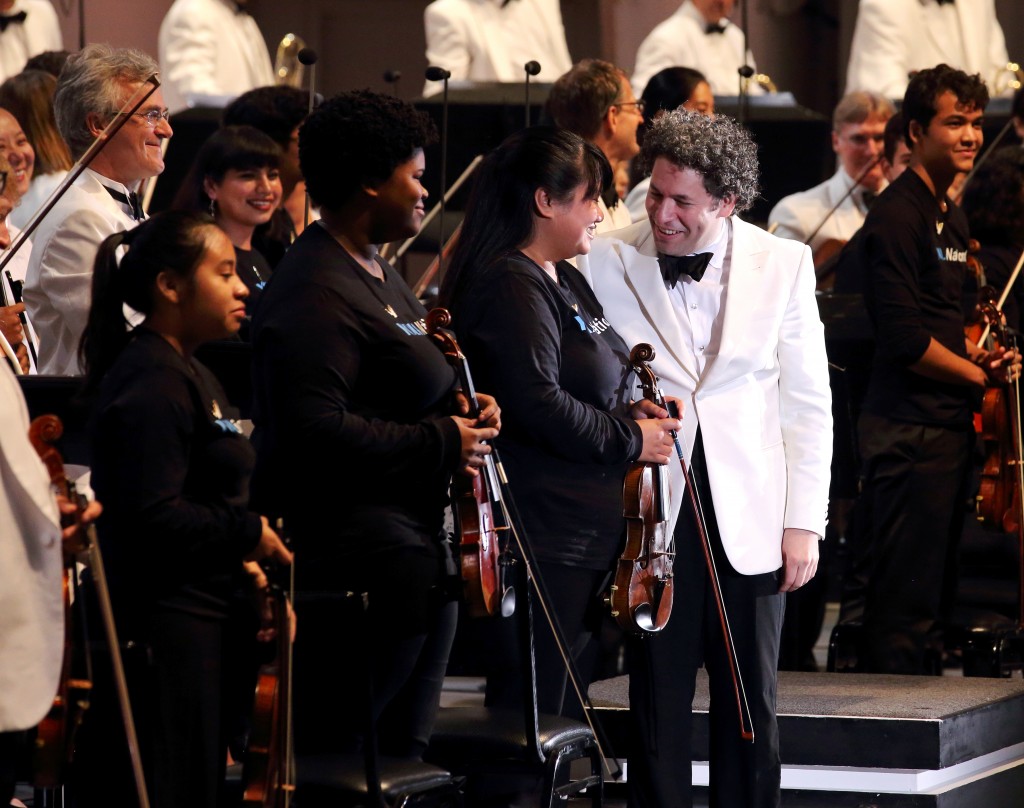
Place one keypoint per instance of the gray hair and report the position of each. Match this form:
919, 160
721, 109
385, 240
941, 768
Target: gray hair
94, 80
717, 148
858, 106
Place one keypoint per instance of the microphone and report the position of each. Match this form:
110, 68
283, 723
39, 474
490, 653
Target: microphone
532, 68
307, 56
391, 76
435, 73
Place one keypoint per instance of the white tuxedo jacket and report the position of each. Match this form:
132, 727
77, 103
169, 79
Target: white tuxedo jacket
894, 37
478, 40
31, 606
209, 48
58, 282
797, 215
763, 404
39, 32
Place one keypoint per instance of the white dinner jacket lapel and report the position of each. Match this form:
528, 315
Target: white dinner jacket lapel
647, 284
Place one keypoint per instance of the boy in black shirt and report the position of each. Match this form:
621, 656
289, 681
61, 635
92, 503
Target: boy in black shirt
915, 430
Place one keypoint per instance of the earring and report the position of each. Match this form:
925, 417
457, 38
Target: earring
213, 207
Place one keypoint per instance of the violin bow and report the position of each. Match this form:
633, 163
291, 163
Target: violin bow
742, 707
511, 516
121, 117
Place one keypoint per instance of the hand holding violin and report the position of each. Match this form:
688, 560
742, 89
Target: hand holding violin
476, 431
1001, 365
77, 520
657, 429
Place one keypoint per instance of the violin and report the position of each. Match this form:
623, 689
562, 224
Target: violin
641, 596
268, 773
480, 520
44, 431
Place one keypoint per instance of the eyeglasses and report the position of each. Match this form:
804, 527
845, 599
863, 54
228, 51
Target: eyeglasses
640, 105
154, 116
3, 181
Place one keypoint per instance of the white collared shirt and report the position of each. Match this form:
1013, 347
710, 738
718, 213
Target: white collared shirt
697, 304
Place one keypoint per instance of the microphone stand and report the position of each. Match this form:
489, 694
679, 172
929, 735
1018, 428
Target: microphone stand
746, 72
308, 57
440, 74
532, 68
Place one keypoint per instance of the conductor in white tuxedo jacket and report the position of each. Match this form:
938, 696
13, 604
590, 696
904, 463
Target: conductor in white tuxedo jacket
743, 348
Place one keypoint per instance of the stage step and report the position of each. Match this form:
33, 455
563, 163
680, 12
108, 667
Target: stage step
867, 740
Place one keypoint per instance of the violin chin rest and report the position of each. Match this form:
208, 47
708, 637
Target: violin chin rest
643, 616
508, 602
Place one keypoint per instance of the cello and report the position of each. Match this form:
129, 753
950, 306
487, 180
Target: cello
641, 595
480, 519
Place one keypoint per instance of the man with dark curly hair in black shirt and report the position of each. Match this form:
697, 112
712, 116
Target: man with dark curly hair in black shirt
915, 428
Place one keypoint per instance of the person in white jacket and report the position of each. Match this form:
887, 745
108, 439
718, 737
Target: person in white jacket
213, 49
27, 27
894, 38
492, 40
740, 342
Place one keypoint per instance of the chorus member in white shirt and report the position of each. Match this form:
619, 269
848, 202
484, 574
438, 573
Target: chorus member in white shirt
27, 27
858, 135
894, 38
594, 100
698, 35
95, 84
491, 40
211, 48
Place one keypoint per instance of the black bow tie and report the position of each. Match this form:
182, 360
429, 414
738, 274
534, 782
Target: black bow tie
868, 198
10, 20
131, 199
675, 266
715, 28
943, 2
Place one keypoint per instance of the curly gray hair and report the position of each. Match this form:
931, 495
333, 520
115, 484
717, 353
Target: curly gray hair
96, 80
717, 148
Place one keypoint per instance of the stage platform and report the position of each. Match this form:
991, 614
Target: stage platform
862, 740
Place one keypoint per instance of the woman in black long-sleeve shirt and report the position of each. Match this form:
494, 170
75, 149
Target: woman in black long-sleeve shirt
533, 330
355, 430
173, 471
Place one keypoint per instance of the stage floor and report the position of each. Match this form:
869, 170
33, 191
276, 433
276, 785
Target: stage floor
869, 740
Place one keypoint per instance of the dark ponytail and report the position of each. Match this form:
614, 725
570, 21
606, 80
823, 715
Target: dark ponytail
173, 241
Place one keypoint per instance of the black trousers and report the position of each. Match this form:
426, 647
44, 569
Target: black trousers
177, 684
910, 514
397, 651
576, 596
663, 670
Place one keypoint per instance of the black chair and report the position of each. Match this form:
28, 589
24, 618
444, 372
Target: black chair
484, 743
369, 780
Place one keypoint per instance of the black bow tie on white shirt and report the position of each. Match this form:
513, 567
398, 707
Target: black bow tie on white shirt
673, 267
130, 199
715, 28
11, 20
943, 2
